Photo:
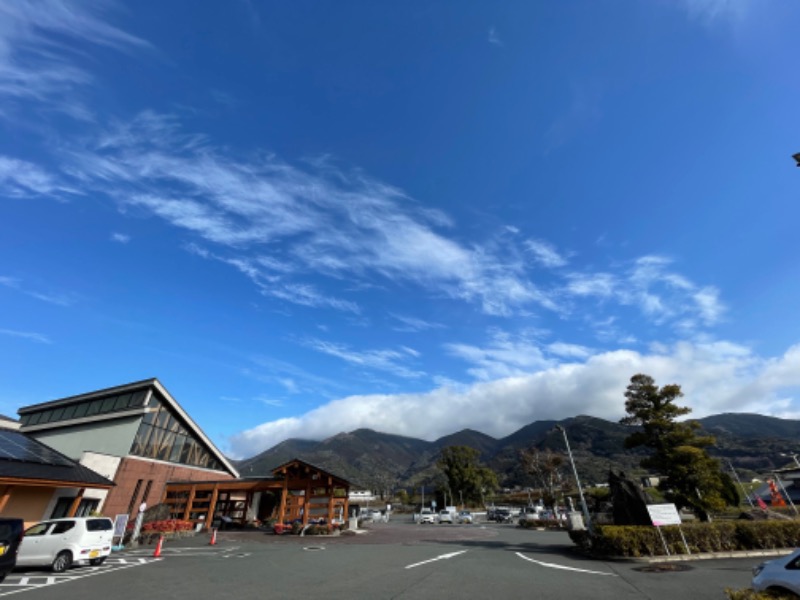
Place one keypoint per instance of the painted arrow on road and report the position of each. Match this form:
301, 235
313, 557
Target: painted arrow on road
442, 557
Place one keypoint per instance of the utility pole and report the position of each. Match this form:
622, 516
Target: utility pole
577, 480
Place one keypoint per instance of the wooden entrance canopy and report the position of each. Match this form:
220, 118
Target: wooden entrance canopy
307, 493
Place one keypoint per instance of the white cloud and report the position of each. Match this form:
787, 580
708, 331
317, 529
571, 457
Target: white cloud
28, 335
382, 360
506, 355
413, 324
712, 10
120, 238
715, 376
493, 38
39, 52
22, 179
544, 253
59, 299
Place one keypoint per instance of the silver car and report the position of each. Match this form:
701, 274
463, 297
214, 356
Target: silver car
779, 575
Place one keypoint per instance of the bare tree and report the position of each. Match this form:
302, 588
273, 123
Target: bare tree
548, 470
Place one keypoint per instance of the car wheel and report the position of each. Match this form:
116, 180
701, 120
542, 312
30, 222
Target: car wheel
3, 577
62, 562
96, 562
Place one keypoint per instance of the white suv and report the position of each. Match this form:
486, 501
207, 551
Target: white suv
62, 542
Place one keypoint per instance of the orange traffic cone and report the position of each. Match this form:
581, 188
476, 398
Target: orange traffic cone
160, 543
213, 541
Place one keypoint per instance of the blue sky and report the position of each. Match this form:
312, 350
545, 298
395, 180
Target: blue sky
309, 217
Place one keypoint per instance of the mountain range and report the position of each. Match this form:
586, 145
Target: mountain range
753, 444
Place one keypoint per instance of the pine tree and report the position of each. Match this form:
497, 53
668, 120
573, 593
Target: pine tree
689, 476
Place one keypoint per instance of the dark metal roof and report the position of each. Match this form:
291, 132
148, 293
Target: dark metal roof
40, 462
277, 469
128, 387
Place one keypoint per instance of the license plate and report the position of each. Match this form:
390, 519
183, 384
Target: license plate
94, 553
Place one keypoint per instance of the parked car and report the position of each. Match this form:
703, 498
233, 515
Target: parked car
781, 575
426, 515
11, 531
502, 515
464, 517
62, 542
445, 516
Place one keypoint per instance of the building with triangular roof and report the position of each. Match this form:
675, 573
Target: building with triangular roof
136, 435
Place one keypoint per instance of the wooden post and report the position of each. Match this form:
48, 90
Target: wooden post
189, 501
76, 503
212, 506
330, 489
346, 514
307, 500
4, 496
284, 494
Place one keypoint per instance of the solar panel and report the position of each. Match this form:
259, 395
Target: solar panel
17, 446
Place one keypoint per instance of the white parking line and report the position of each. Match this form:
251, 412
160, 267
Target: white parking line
565, 568
442, 557
25, 585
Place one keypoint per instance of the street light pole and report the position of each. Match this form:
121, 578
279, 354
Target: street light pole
577, 480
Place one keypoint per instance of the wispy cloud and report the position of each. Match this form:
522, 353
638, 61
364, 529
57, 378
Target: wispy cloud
413, 324
28, 335
121, 238
712, 10
716, 376
493, 38
545, 253
22, 179
390, 361
506, 355
59, 299
40, 50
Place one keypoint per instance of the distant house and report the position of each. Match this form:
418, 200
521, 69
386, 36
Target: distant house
37, 482
136, 435
358, 496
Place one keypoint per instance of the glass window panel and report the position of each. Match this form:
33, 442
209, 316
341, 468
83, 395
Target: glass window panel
108, 404
177, 446
153, 402
152, 442
137, 399
69, 412
80, 409
24, 419
163, 418
46, 416
94, 407
57, 414
150, 417
33, 418
165, 446
187, 451
122, 401
140, 441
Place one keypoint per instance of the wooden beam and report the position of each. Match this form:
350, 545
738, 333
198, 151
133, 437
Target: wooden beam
189, 502
284, 494
4, 496
307, 501
76, 503
212, 506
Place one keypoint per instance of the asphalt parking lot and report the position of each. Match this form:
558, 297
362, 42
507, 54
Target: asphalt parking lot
398, 560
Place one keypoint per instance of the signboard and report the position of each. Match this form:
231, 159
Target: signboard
663, 514
433, 503
120, 522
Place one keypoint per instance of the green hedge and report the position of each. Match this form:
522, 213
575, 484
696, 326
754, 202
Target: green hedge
633, 541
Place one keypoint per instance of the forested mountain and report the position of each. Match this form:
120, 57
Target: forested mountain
754, 444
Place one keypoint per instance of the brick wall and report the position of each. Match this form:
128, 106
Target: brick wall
132, 470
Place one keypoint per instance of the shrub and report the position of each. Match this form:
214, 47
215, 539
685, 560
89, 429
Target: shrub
634, 541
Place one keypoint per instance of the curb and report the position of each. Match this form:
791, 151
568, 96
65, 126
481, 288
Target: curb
710, 555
